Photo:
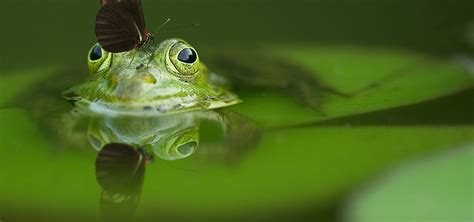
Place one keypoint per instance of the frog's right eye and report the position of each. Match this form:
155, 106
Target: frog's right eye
98, 59
96, 53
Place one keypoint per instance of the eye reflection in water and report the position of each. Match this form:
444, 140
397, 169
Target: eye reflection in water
126, 144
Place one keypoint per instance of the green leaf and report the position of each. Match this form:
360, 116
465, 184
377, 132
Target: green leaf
378, 79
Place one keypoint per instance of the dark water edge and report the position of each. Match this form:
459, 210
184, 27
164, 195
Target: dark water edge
456, 109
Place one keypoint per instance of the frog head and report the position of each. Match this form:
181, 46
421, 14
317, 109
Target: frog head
159, 79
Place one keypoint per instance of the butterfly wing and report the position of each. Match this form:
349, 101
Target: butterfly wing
120, 171
116, 29
135, 7
137, 12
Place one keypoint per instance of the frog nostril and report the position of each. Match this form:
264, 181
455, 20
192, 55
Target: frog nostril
140, 66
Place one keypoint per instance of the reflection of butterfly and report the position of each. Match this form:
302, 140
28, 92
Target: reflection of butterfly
120, 26
120, 171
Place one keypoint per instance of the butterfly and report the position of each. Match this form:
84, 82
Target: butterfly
120, 26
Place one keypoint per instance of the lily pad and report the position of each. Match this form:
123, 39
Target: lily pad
373, 79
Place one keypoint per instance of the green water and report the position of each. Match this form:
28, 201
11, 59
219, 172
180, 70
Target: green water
291, 152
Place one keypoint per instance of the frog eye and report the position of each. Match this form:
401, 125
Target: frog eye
98, 59
96, 53
187, 55
184, 60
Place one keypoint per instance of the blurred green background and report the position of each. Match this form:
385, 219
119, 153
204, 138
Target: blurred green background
54, 31
307, 166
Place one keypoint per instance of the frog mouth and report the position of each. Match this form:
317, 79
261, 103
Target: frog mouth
158, 107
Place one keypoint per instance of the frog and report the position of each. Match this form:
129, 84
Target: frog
154, 99
164, 78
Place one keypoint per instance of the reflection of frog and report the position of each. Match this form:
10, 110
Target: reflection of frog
125, 143
169, 80
177, 136
120, 165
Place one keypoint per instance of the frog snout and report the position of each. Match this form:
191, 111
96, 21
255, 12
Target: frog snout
149, 78
133, 87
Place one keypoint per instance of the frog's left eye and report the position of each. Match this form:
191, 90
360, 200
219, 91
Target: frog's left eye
184, 60
187, 55
98, 59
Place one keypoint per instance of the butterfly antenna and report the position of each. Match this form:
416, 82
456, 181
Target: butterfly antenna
162, 25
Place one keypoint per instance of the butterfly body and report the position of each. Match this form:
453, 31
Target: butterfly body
149, 37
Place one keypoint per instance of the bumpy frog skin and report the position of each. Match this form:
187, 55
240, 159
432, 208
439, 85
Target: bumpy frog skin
162, 79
